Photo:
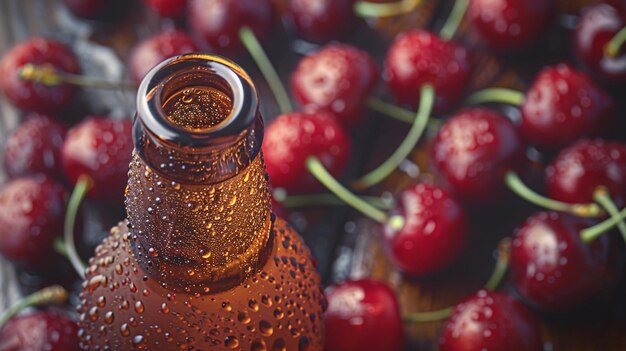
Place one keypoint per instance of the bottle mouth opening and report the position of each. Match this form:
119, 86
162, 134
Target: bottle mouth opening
195, 99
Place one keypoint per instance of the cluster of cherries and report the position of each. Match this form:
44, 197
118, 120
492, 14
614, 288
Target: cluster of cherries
559, 258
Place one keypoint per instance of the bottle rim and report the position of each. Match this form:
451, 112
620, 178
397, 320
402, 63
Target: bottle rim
241, 89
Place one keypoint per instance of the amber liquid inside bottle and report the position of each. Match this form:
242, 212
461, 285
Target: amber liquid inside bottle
201, 263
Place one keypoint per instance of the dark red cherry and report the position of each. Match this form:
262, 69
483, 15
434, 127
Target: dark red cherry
218, 22
95, 9
418, 57
489, 320
596, 26
578, 170
31, 217
167, 8
157, 48
49, 330
363, 315
434, 232
321, 20
292, 138
100, 148
563, 105
473, 151
33, 96
335, 79
35, 147
553, 268
511, 24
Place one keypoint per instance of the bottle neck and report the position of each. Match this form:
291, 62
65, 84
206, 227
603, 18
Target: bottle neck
197, 199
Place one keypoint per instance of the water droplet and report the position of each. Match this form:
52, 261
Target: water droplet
125, 330
231, 342
139, 308
265, 328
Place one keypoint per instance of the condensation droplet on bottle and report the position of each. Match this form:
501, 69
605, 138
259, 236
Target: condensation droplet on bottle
265, 328
125, 330
231, 342
139, 308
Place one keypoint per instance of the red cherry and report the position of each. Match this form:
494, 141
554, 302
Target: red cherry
511, 24
419, 57
35, 147
336, 80
292, 138
167, 8
595, 28
562, 105
31, 217
321, 20
473, 151
100, 148
157, 48
577, 171
489, 320
553, 268
218, 21
95, 9
434, 233
363, 315
33, 96
50, 331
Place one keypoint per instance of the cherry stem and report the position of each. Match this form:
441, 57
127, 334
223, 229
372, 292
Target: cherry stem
59, 246
499, 95
602, 197
449, 28
318, 170
513, 182
54, 294
432, 316
393, 111
81, 188
250, 41
613, 47
588, 235
502, 265
47, 75
397, 112
427, 99
499, 272
328, 199
371, 9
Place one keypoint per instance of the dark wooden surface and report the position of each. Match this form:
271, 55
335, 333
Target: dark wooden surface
346, 245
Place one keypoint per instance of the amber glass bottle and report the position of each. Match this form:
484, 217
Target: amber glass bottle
201, 263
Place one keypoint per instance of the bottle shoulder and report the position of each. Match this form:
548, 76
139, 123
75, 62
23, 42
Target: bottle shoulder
281, 303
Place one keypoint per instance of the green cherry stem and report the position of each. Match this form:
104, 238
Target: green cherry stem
390, 110
497, 95
250, 41
371, 9
317, 169
47, 75
431, 316
590, 234
454, 20
328, 199
81, 188
613, 47
54, 294
513, 182
427, 99
603, 198
502, 265
498, 274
